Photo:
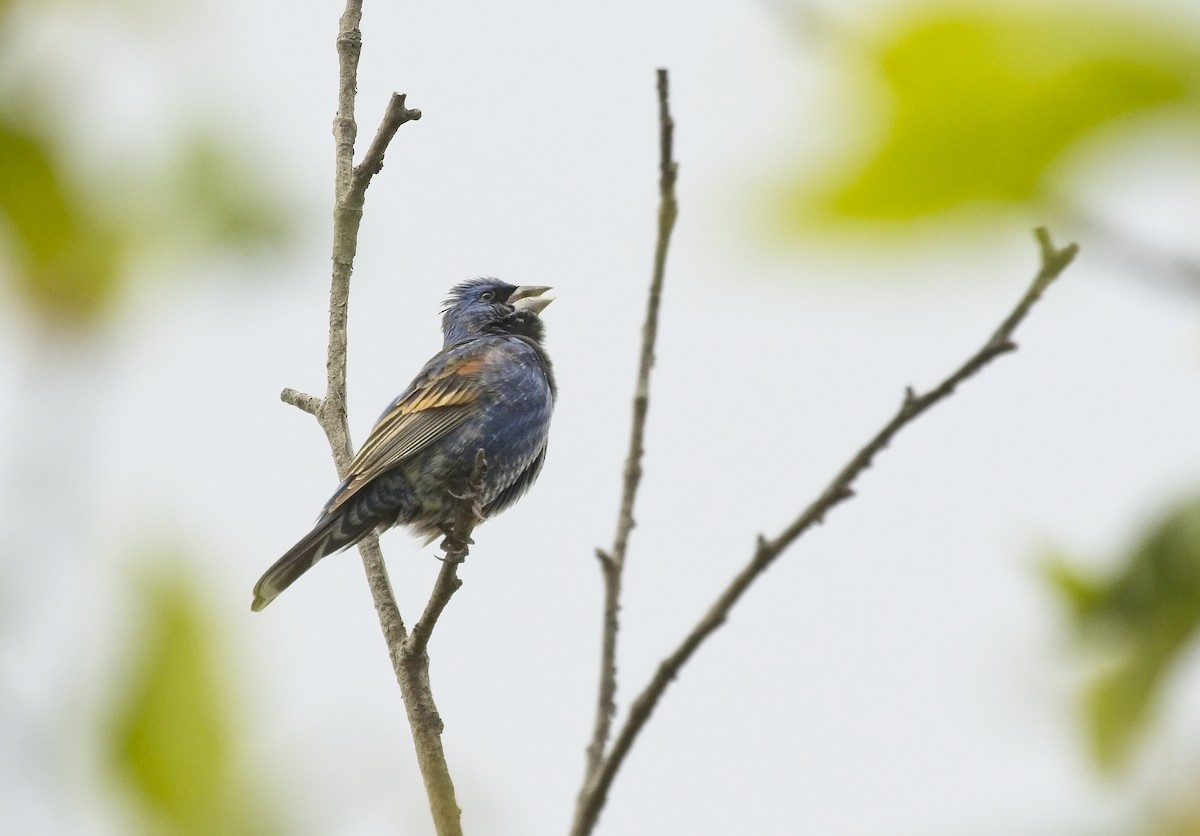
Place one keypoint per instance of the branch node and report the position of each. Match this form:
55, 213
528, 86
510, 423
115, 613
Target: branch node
1054, 260
394, 115
305, 403
350, 40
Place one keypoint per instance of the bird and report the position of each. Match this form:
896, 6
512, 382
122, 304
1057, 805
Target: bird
490, 388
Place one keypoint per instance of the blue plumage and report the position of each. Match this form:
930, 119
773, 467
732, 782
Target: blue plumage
491, 387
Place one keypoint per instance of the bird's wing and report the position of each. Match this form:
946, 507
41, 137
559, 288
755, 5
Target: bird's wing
440, 399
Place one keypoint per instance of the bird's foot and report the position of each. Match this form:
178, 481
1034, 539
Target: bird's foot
453, 545
452, 542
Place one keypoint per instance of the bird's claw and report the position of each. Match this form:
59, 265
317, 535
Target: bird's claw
454, 548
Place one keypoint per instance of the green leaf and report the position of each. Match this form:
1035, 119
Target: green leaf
70, 251
1117, 704
173, 737
1079, 590
982, 104
1143, 618
65, 260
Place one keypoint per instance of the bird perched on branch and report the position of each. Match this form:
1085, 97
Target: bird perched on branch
490, 388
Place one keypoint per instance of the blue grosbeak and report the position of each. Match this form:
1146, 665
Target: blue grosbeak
491, 387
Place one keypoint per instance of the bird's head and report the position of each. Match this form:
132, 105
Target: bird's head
490, 306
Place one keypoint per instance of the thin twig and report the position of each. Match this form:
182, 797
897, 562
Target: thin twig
394, 116
456, 546
612, 563
303, 402
1054, 261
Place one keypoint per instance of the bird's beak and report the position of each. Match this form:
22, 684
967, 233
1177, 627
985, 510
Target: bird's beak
530, 298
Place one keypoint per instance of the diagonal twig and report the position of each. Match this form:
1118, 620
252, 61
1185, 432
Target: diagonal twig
1053, 262
612, 562
467, 515
395, 115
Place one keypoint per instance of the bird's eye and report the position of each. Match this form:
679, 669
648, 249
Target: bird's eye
488, 295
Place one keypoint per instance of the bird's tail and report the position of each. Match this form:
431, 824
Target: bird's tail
330, 535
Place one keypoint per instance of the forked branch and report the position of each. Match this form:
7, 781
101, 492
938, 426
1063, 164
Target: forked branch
595, 791
407, 652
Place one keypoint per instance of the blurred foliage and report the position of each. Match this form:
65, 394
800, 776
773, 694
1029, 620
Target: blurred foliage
172, 737
73, 231
71, 251
224, 200
65, 257
1142, 618
1184, 821
981, 103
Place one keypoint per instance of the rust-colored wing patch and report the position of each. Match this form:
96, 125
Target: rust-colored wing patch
435, 403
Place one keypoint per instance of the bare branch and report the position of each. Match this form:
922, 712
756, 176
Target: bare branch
394, 116
303, 402
409, 661
350, 188
1054, 261
426, 726
345, 236
612, 562
382, 596
348, 201
345, 130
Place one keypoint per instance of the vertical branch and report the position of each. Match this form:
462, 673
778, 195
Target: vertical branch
345, 130
612, 563
345, 235
410, 662
350, 187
